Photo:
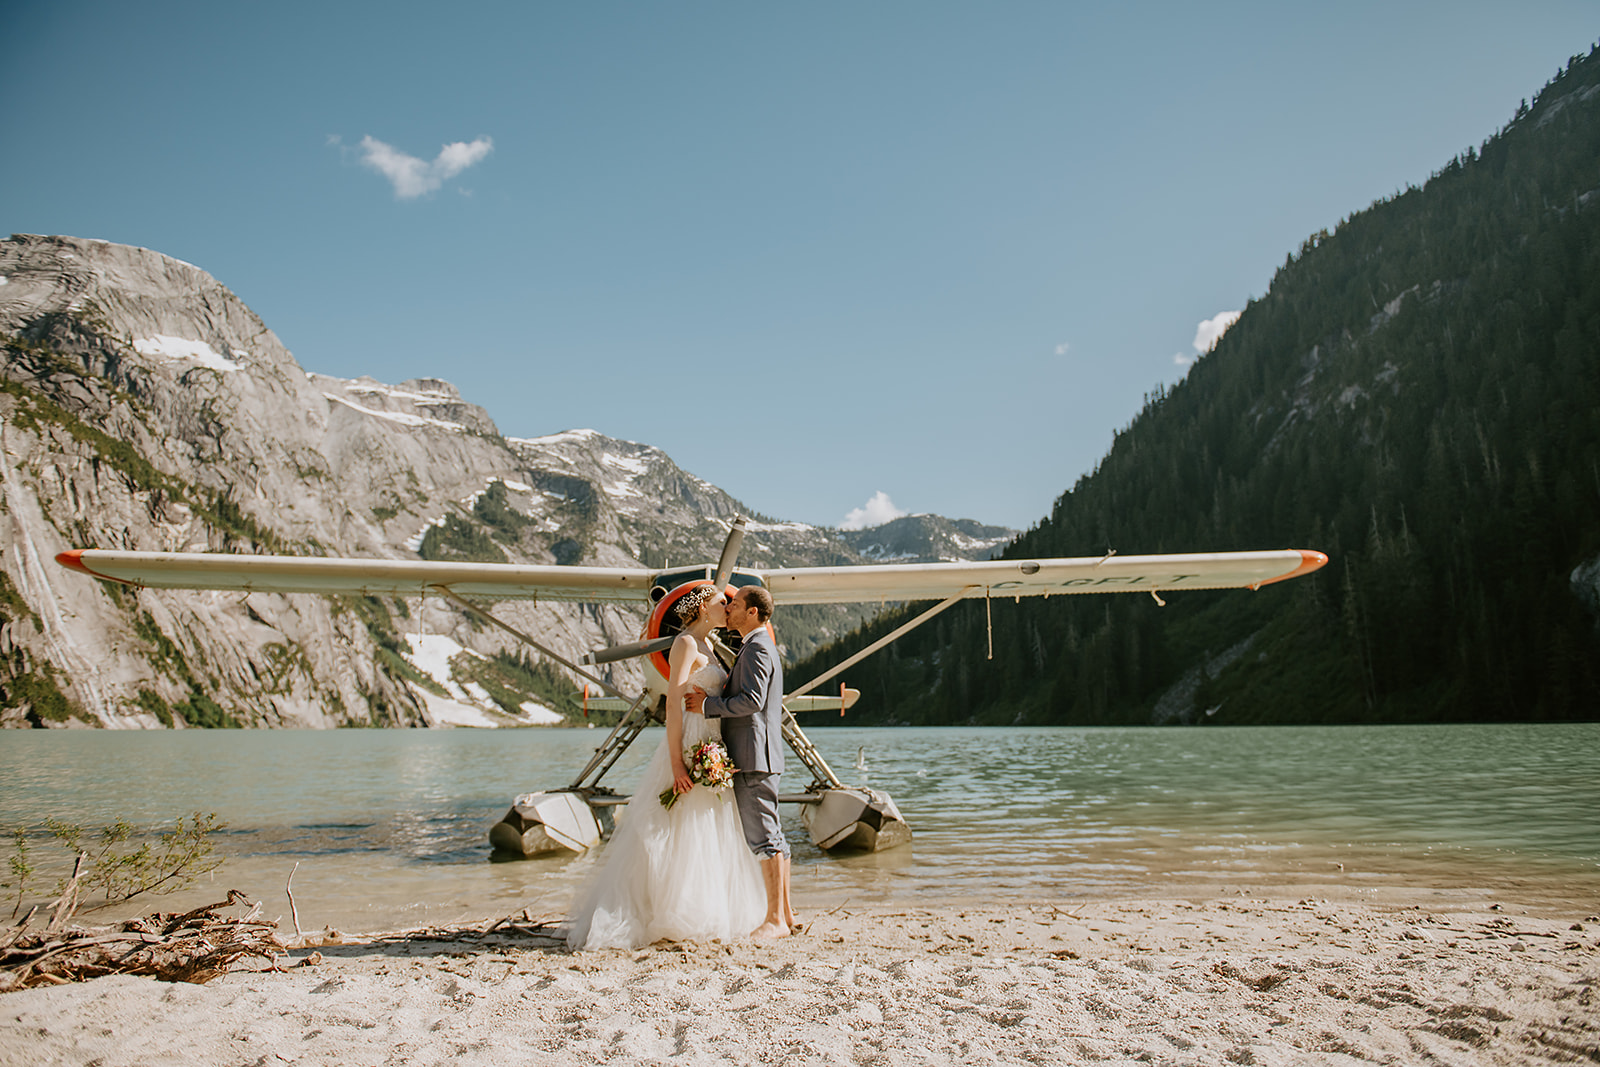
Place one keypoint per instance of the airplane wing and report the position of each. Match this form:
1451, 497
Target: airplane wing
313, 574
802, 585
1040, 577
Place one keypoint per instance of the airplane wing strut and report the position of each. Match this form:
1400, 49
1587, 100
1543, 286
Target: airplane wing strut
462, 602
636, 718
880, 642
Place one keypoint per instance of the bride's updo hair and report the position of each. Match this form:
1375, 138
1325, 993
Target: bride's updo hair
689, 605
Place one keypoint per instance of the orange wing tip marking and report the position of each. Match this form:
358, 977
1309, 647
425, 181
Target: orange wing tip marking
73, 558
1310, 560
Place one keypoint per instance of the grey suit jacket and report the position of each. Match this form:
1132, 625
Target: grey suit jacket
751, 706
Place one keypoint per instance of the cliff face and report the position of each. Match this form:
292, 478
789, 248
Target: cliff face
143, 406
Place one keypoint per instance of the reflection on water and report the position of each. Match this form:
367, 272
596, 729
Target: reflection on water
389, 827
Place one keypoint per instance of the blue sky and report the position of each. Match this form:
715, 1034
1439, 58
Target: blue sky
921, 253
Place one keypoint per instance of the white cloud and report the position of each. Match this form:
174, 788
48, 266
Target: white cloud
1063, 348
458, 156
411, 176
1181, 360
875, 512
1210, 330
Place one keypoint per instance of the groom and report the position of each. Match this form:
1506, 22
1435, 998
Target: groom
751, 706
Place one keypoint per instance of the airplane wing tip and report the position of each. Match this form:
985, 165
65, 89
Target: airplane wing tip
73, 557
1310, 560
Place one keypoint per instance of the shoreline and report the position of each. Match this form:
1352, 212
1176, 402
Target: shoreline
1426, 974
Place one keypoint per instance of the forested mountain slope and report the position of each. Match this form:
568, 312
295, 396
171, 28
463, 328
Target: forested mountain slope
1418, 395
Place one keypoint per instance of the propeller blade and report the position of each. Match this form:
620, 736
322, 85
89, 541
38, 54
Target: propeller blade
627, 651
730, 552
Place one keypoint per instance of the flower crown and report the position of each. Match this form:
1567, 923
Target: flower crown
689, 605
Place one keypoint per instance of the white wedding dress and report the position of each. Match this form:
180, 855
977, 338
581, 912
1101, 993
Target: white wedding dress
678, 874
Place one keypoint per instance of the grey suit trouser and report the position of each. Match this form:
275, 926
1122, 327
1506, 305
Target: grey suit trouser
756, 793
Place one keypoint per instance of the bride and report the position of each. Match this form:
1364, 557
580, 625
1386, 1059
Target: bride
684, 873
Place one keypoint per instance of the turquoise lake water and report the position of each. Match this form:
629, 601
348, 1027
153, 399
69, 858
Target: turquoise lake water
389, 828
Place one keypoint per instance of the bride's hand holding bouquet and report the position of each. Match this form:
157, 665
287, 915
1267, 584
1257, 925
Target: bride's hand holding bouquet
706, 764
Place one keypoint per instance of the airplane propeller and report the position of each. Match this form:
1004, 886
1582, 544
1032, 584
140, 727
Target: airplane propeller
730, 554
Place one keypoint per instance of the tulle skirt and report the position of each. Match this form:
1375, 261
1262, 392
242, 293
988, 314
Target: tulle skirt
678, 874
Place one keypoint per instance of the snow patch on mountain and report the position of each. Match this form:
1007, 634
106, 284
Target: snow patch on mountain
880, 554
540, 715
418, 403
431, 654
396, 416
628, 463
977, 544
360, 386
555, 438
774, 527
470, 501
414, 543
465, 705
446, 712
171, 349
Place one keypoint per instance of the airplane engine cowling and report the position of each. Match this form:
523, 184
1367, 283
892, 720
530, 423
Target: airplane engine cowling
664, 623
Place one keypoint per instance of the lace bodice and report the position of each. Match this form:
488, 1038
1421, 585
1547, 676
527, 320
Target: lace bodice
711, 678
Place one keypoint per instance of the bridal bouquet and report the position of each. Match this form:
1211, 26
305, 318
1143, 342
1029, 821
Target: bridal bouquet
708, 764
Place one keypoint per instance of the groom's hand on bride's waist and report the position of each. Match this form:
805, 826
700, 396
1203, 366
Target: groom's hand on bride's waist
694, 700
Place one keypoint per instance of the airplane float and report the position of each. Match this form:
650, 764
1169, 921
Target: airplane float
579, 816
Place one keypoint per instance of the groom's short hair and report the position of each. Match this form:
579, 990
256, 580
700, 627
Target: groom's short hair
757, 598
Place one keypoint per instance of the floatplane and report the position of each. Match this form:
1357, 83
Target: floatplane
577, 817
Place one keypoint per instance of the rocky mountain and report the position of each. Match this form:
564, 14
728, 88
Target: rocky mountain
143, 406
928, 539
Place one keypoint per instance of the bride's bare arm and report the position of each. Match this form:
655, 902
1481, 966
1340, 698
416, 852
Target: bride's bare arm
680, 662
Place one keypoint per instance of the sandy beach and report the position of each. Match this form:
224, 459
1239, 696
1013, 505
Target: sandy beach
1430, 978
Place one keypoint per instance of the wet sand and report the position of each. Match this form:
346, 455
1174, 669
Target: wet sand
1421, 976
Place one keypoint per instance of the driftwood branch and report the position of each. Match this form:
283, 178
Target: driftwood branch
67, 902
195, 946
15, 933
294, 912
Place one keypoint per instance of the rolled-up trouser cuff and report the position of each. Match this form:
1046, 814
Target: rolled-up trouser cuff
756, 793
